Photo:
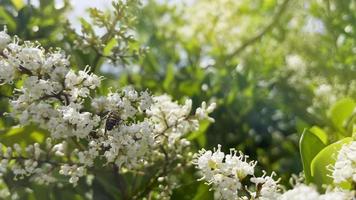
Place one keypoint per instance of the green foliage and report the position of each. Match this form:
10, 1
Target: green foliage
319, 149
116, 45
44, 23
242, 62
22, 135
341, 114
199, 135
311, 143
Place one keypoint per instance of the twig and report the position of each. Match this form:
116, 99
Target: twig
120, 182
258, 36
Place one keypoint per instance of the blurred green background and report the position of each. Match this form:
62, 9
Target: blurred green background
274, 68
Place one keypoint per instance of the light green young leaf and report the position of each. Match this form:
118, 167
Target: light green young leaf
203, 193
6, 18
18, 4
167, 83
199, 134
311, 143
22, 135
109, 46
340, 112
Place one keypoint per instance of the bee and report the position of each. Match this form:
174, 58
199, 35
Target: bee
113, 119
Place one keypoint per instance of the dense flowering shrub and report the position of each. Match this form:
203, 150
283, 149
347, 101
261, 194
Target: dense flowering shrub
128, 129
134, 132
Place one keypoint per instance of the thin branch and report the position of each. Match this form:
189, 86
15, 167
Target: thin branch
149, 186
258, 36
121, 182
22, 69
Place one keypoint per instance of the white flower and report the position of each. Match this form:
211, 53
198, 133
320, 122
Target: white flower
73, 171
89, 79
71, 79
345, 165
338, 195
87, 157
60, 149
305, 192
224, 172
3, 166
42, 177
30, 166
32, 57
130, 93
238, 166
4, 39
82, 122
100, 104
203, 111
270, 189
300, 192
145, 100
208, 161
7, 71
296, 64
226, 187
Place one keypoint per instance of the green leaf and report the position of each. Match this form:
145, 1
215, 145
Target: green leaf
203, 193
320, 133
7, 19
22, 135
311, 143
18, 4
340, 112
104, 187
167, 83
40, 192
109, 46
325, 158
199, 134
86, 27
301, 125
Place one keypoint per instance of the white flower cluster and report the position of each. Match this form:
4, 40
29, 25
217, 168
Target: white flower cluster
228, 174
345, 165
4, 39
305, 192
229, 25
224, 172
327, 93
172, 121
29, 161
73, 171
127, 128
297, 70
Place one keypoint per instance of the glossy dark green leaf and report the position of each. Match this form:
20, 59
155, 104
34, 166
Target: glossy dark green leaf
311, 143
